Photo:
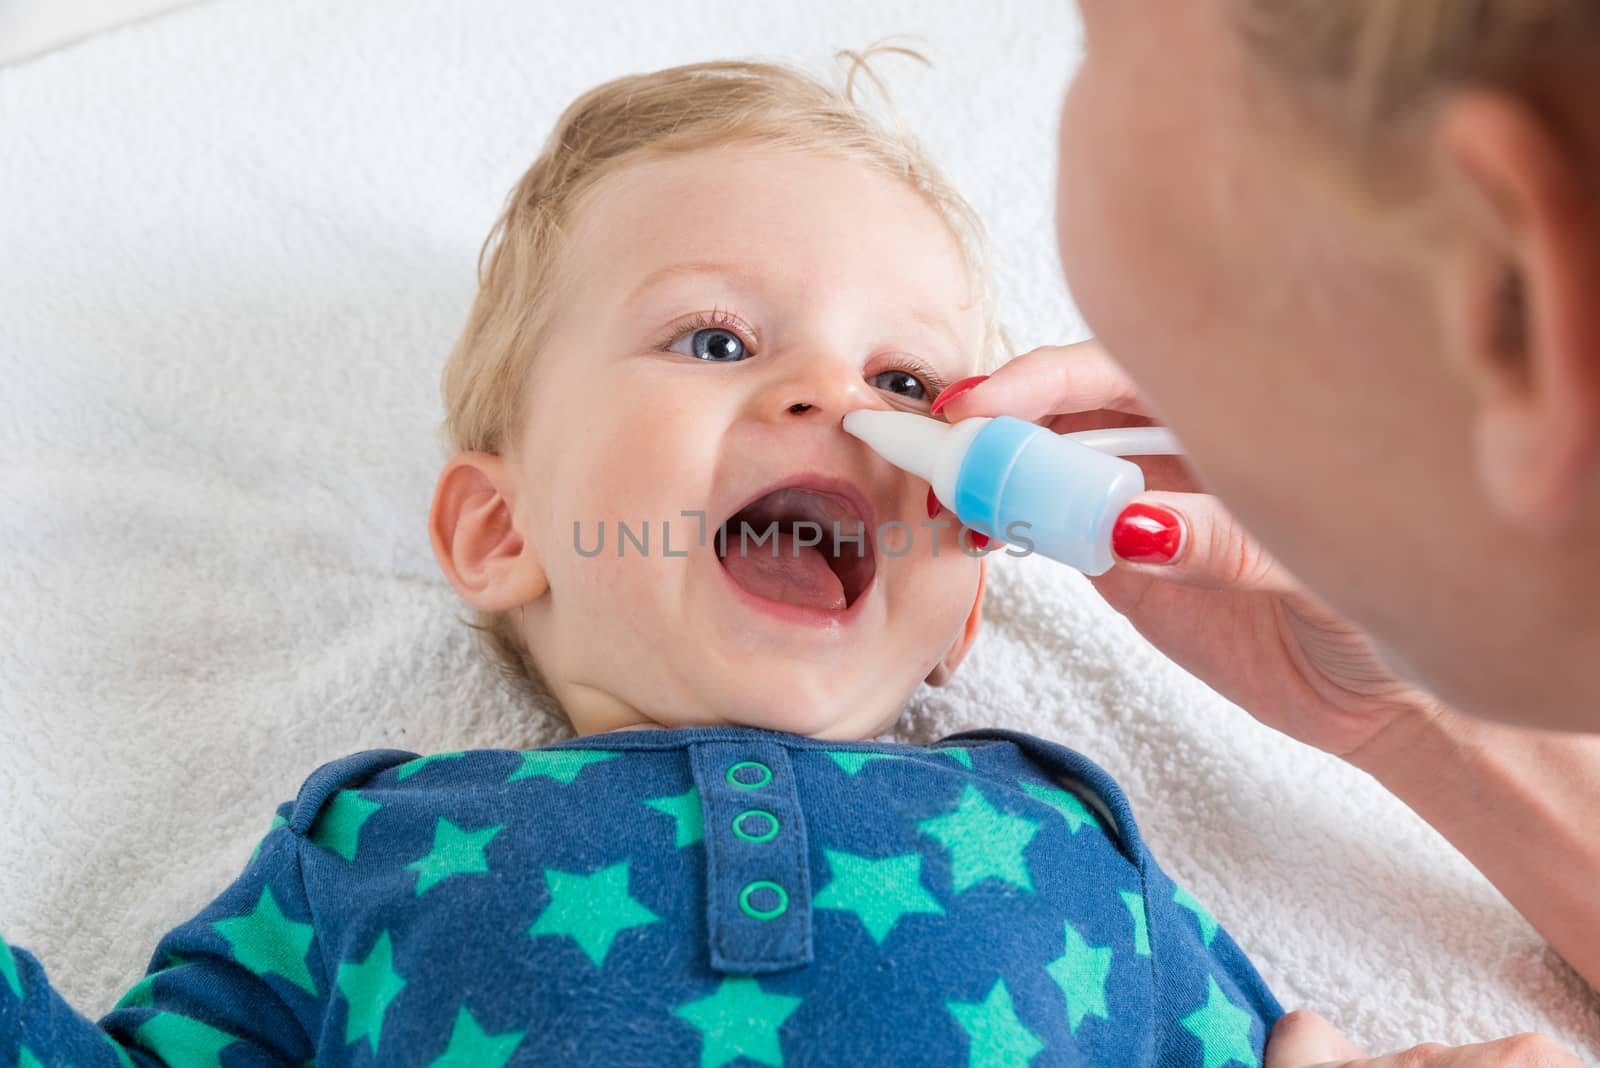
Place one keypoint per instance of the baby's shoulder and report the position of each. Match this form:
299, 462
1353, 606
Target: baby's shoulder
343, 773
1059, 776
344, 789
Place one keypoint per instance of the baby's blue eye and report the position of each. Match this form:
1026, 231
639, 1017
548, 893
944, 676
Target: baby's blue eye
714, 344
905, 379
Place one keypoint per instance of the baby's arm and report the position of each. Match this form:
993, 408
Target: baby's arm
246, 972
1212, 1007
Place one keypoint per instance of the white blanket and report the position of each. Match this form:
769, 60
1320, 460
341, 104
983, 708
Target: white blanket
236, 243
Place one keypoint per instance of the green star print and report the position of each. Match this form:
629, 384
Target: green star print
179, 1040
878, 891
561, 765
411, 767
370, 987
995, 1037
338, 827
684, 809
1208, 926
455, 852
591, 909
1081, 974
471, 1048
1222, 1028
267, 942
8, 969
739, 1020
1064, 802
983, 841
1141, 928
853, 761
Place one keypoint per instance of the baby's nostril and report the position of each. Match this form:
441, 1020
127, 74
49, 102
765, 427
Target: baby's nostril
799, 406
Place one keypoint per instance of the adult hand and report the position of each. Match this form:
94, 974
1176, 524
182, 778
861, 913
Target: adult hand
1305, 1040
1222, 608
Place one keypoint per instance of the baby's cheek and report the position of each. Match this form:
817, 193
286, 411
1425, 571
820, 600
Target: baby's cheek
931, 596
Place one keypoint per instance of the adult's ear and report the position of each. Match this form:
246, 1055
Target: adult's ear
472, 527
1524, 299
946, 668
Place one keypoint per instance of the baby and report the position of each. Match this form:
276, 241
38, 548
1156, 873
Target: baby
705, 268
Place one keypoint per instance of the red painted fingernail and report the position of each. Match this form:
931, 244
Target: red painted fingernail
933, 504
1147, 534
980, 540
952, 391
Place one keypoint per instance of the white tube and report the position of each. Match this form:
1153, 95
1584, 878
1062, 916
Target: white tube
1130, 441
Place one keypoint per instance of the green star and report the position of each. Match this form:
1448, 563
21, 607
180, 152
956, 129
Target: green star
277, 821
958, 753
995, 1037
878, 891
1065, 802
470, 1047
141, 994
739, 1020
1081, 973
369, 987
853, 761
176, 1039
1208, 926
1222, 1028
338, 826
561, 765
455, 851
1141, 930
591, 909
8, 969
269, 943
684, 808
411, 767
983, 841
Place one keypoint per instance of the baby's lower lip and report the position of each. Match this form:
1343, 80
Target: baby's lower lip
795, 614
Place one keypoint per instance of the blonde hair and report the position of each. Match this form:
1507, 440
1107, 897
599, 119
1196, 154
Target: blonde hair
1372, 70
628, 120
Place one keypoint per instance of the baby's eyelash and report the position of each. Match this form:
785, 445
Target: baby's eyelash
703, 321
930, 378
725, 320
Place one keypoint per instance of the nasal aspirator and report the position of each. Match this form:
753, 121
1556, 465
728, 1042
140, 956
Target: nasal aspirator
1021, 482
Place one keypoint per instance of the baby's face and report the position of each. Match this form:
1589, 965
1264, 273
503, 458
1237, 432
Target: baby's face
834, 288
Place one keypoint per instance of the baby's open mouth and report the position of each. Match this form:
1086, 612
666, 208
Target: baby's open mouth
825, 564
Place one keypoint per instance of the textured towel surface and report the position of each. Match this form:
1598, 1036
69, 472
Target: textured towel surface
239, 241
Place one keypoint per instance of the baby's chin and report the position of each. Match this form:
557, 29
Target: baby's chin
836, 718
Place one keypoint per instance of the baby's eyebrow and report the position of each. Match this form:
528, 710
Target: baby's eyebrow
738, 273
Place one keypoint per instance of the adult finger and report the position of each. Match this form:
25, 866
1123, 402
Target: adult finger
1191, 540
1304, 1039
1052, 380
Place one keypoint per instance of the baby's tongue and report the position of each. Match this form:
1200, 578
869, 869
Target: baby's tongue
801, 577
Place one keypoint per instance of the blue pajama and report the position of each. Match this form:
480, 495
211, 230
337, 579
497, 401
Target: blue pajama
702, 896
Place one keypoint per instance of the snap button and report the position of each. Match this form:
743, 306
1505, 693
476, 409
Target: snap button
763, 775
763, 914
766, 823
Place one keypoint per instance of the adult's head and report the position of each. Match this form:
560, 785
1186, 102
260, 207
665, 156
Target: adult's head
1351, 251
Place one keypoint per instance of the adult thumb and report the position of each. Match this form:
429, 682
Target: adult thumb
1303, 1039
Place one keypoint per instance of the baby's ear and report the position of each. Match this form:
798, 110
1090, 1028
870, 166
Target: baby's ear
945, 669
472, 525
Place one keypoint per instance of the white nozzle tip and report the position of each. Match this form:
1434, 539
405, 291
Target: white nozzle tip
906, 439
